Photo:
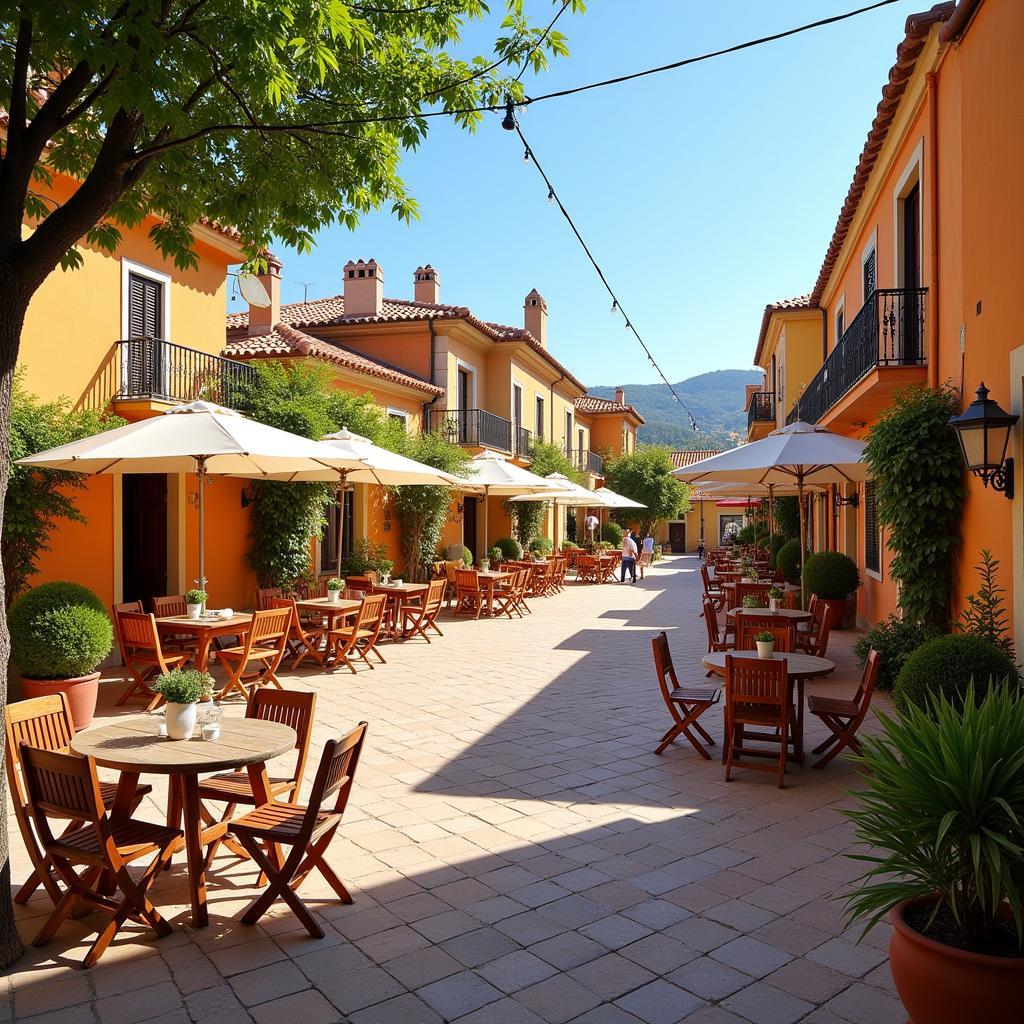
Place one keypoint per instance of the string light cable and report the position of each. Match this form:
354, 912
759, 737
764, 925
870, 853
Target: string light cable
554, 197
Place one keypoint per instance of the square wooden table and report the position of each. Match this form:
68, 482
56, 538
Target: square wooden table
334, 610
399, 595
205, 630
487, 580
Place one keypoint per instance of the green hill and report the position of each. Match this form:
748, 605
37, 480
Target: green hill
716, 400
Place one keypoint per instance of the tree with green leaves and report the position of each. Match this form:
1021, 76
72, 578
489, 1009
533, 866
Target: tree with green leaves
645, 475
38, 499
278, 117
528, 516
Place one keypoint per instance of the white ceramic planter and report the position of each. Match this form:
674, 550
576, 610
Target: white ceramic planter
181, 721
773, 604
195, 611
765, 650
333, 596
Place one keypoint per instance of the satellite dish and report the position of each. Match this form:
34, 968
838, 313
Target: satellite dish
253, 291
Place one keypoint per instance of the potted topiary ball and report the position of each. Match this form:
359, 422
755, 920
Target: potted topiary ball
182, 688
788, 560
60, 633
833, 576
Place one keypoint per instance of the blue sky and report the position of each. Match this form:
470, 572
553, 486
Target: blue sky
704, 192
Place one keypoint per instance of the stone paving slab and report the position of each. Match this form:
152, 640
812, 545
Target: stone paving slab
517, 853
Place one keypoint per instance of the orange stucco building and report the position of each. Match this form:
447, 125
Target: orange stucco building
920, 283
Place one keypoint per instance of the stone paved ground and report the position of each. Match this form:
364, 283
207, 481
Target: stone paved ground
518, 855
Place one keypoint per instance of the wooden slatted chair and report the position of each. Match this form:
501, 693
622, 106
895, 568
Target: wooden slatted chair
65, 786
815, 641
559, 573
417, 619
756, 694
174, 604
844, 717
307, 830
266, 595
685, 703
359, 584
304, 641
712, 591
293, 708
510, 595
127, 606
759, 591
361, 636
470, 597
748, 625
45, 723
587, 568
143, 656
718, 639
264, 646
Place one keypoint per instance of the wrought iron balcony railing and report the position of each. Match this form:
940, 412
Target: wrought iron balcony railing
472, 428
761, 408
524, 442
152, 368
888, 331
586, 460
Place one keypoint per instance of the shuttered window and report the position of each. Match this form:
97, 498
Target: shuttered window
145, 307
870, 275
332, 533
872, 531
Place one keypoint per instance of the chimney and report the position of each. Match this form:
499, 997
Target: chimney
535, 316
620, 396
262, 320
427, 285
364, 288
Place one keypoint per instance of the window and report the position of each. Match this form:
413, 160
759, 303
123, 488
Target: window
145, 307
332, 532
872, 532
568, 432
870, 271
399, 416
517, 405
540, 419
580, 443
840, 320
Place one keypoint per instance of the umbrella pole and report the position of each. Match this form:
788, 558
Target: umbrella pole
771, 519
803, 536
342, 477
201, 469
486, 503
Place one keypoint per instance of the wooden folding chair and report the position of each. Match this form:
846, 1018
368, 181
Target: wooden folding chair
143, 655
711, 591
587, 568
45, 723
287, 707
685, 703
174, 604
510, 597
756, 694
307, 830
470, 597
264, 646
65, 786
361, 636
844, 717
265, 595
758, 591
717, 640
417, 619
749, 624
303, 640
815, 641
127, 606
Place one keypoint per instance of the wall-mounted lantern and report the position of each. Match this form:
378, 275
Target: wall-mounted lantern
983, 430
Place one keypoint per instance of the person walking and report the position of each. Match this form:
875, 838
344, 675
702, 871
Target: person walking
646, 554
628, 558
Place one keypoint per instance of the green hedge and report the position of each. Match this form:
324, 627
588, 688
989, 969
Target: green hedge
895, 639
947, 664
59, 631
831, 575
541, 545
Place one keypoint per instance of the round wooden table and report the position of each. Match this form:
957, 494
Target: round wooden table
132, 746
793, 614
799, 668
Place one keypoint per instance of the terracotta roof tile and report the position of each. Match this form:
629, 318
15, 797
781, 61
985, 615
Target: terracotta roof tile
286, 341
680, 459
330, 312
591, 405
782, 306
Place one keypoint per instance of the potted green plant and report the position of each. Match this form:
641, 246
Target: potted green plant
775, 595
751, 601
195, 601
334, 588
60, 633
495, 555
765, 641
833, 576
182, 688
942, 817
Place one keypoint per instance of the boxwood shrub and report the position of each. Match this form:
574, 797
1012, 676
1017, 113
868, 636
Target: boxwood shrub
831, 575
788, 560
541, 545
947, 664
511, 549
59, 631
612, 533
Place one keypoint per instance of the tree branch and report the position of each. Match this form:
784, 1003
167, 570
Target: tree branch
17, 107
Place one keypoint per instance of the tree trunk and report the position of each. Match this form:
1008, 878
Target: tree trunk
13, 306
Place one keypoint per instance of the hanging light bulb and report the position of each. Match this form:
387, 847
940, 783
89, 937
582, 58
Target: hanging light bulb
508, 122
615, 305
551, 194
526, 155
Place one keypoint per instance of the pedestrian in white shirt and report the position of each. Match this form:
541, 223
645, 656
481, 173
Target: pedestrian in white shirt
629, 553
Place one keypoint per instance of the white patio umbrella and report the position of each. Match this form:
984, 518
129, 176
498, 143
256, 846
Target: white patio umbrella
201, 438
800, 453
494, 475
563, 492
360, 461
609, 499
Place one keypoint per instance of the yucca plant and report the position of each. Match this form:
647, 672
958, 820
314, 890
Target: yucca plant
943, 815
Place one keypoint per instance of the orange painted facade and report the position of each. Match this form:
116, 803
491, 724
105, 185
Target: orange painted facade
951, 155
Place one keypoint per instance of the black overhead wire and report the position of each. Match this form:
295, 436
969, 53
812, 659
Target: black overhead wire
554, 197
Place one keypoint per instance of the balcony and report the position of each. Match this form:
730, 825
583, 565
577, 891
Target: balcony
473, 428
882, 349
524, 442
151, 369
760, 412
586, 461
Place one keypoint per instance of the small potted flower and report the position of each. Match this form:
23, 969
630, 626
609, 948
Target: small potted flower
765, 641
495, 556
750, 601
182, 688
195, 601
775, 595
334, 588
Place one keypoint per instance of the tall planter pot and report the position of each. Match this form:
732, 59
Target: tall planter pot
81, 692
838, 609
940, 984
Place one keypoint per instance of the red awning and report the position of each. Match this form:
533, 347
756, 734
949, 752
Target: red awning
738, 503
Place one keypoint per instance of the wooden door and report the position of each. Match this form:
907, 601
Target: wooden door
143, 537
677, 537
469, 535
910, 340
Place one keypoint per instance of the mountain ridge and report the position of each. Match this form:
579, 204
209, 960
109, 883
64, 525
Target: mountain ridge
716, 399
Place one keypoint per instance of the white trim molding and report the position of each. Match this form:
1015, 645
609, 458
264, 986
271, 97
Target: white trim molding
130, 267
911, 175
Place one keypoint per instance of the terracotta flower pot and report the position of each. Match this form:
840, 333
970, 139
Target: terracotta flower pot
941, 984
81, 691
838, 608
